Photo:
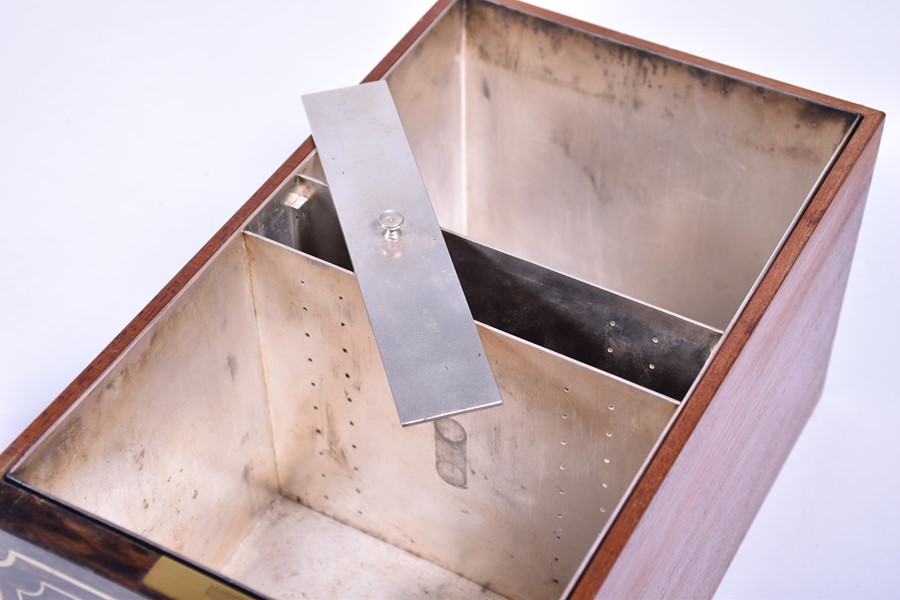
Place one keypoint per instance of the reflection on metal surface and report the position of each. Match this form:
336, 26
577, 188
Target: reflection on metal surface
425, 333
555, 447
450, 451
294, 217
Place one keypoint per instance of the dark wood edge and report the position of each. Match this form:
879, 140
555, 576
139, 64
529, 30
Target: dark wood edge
95, 369
687, 420
77, 539
73, 539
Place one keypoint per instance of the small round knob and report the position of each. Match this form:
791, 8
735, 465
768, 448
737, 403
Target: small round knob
390, 221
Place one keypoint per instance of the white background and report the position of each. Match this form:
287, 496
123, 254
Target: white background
129, 132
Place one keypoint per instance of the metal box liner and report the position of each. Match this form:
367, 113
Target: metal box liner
609, 211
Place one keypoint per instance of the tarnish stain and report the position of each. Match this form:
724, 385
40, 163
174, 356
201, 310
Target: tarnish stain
817, 114
485, 89
631, 70
450, 451
563, 141
232, 365
138, 459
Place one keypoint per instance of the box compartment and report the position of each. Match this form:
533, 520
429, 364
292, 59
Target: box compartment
596, 197
261, 384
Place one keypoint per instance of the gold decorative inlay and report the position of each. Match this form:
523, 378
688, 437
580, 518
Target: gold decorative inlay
180, 582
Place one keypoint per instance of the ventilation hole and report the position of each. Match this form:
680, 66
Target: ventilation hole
305, 309
347, 375
351, 423
359, 512
321, 453
612, 323
562, 467
566, 390
312, 383
340, 297
302, 282
353, 446
562, 492
315, 407
565, 416
562, 443
611, 407
605, 485
356, 468
343, 324
652, 366
349, 399
656, 340
559, 516
555, 580
323, 475
309, 359
306, 334
319, 431
345, 350
555, 559
326, 497
602, 509
609, 434
358, 491
606, 460
609, 350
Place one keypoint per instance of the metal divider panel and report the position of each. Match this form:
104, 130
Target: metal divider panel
425, 333
511, 498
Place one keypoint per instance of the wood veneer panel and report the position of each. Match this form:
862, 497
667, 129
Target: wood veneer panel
687, 516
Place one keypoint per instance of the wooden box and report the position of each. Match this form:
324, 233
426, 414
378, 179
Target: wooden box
655, 249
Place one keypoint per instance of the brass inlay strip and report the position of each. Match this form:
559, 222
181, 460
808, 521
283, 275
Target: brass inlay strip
180, 582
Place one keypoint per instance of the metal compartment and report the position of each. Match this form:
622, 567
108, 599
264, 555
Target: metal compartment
608, 211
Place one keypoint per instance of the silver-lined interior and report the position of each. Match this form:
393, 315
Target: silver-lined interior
250, 427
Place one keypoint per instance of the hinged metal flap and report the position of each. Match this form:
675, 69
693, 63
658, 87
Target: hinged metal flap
425, 333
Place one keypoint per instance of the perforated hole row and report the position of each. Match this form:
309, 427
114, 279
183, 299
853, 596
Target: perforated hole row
326, 388
566, 421
610, 349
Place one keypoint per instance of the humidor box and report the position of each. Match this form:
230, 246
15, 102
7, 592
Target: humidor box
654, 248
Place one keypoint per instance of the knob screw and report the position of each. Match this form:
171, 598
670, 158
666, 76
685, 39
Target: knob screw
390, 221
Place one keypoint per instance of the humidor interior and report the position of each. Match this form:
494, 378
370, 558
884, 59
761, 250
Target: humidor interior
608, 211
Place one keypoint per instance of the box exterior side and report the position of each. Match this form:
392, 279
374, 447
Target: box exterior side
721, 457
